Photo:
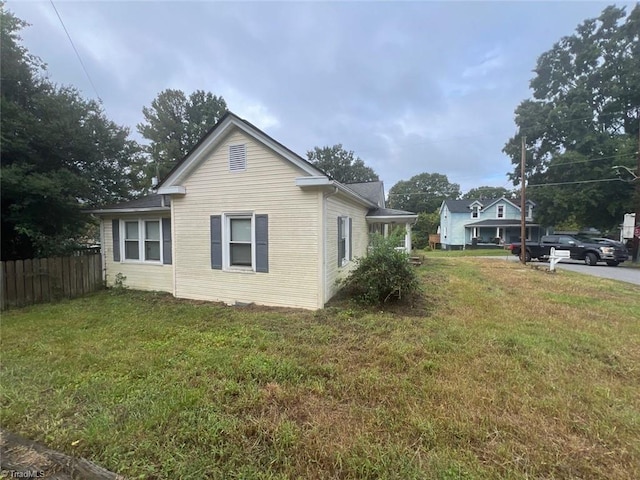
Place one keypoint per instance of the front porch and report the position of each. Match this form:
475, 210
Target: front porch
384, 221
498, 233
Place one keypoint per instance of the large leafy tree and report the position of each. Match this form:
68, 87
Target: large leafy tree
582, 120
486, 192
59, 154
174, 123
424, 192
341, 165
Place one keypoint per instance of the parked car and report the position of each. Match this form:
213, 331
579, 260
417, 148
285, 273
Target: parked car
590, 250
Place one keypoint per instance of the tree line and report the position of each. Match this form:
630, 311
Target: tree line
60, 152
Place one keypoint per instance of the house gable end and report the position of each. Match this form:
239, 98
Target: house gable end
216, 136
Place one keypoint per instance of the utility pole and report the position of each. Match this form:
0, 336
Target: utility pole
523, 217
635, 253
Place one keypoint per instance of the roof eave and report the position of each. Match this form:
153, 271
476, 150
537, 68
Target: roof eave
105, 211
391, 218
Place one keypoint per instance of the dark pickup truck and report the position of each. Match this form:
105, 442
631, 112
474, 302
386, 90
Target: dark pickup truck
591, 250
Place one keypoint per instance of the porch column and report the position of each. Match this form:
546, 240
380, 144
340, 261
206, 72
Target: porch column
385, 230
407, 237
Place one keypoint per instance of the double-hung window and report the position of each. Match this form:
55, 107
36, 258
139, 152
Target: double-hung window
131, 240
152, 240
500, 211
475, 211
240, 244
142, 240
344, 240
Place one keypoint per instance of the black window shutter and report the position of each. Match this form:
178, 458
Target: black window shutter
340, 244
262, 243
216, 242
350, 242
115, 230
166, 241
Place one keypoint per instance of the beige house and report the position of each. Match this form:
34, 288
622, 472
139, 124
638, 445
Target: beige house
243, 219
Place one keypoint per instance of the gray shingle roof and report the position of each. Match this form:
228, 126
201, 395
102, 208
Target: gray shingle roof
373, 191
148, 201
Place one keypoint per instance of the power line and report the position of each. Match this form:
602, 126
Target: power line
630, 155
575, 182
77, 53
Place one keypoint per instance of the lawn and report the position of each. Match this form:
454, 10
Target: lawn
503, 372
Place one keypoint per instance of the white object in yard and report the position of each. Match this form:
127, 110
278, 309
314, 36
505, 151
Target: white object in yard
557, 255
627, 226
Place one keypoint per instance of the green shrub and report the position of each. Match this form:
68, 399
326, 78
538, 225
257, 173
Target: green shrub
384, 275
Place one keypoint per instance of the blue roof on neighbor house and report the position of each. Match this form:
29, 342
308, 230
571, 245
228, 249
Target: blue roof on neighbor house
464, 206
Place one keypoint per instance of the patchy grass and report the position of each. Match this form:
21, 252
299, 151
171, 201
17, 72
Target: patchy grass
503, 372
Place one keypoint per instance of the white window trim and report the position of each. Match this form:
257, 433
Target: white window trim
345, 230
529, 213
498, 211
141, 241
475, 209
226, 239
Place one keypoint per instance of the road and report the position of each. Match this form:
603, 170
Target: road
620, 273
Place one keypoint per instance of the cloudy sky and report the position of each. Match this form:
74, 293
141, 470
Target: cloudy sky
410, 87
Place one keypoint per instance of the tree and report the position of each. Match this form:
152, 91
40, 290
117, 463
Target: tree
486, 192
582, 120
426, 225
341, 165
174, 123
423, 193
59, 154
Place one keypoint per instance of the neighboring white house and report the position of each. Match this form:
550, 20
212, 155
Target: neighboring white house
493, 221
243, 219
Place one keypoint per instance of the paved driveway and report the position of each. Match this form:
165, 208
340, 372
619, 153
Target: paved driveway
621, 273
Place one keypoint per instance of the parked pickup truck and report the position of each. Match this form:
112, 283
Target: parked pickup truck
591, 250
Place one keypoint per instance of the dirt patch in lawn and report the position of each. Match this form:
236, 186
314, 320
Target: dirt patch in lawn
22, 458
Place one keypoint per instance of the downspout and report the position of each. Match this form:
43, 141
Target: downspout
325, 196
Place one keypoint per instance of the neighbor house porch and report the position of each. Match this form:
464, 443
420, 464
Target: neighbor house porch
491, 233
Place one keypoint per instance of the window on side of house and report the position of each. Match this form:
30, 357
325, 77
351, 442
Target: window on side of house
152, 240
500, 211
344, 240
142, 240
131, 240
530, 212
240, 241
475, 211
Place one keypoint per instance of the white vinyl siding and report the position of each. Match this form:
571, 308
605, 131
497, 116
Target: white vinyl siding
267, 187
336, 207
140, 275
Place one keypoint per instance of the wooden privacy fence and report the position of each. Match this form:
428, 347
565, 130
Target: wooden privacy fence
39, 280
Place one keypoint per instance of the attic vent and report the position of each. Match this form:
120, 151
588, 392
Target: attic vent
237, 158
